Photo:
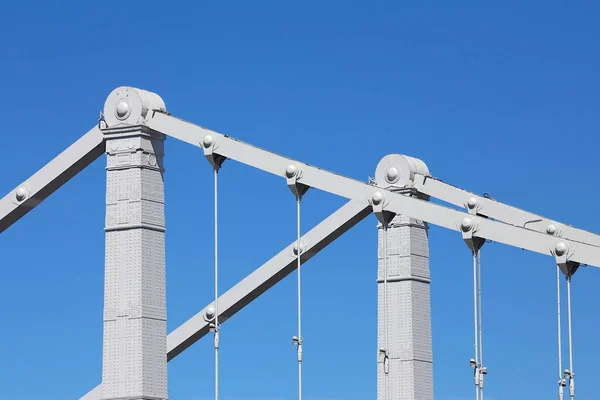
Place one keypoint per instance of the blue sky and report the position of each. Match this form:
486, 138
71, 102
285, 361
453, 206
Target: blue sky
500, 99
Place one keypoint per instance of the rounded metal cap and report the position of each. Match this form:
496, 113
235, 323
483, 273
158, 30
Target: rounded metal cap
472, 202
561, 248
130, 106
467, 224
291, 170
21, 193
377, 197
210, 313
208, 140
397, 170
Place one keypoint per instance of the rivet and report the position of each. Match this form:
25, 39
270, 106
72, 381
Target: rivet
291, 170
551, 229
467, 224
561, 248
377, 197
208, 140
122, 110
21, 193
210, 313
472, 202
392, 174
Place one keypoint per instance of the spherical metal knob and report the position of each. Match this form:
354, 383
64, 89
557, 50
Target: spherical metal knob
392, 174
295, 247
551, 229
377, 197
208, 140
21, 193
467, 224
291, 170
561, 248
472, 202
210, 313
122, 110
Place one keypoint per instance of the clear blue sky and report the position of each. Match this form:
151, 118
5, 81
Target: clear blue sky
498, 99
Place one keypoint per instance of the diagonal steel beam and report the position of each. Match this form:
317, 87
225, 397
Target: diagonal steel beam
53, 175
262, 279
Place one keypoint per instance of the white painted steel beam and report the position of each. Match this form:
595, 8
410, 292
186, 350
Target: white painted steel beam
261, 279
499, 211
53, 175
355, 190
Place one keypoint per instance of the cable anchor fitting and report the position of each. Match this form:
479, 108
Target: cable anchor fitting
476, 371
469, 227
378, 202
482, 373
298, 342
562, 253
209, 144
385, 360
293, 174
210, 317
571, 377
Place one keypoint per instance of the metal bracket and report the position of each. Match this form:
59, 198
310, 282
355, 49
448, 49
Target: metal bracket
378, 202
294, 250
562, 253
298, 342
482, 373
209, 144
468, 228
385, 360
210, 317
292, 175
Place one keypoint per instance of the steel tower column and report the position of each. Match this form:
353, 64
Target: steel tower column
408, 309
134, 363
410, 369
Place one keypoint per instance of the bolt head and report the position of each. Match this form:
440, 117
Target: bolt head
122, 110
472, 202
295, 248
210, 313
467, 224
21, 193
208, 140
561, 248
392, 174
377, 197
291, 170
551, 229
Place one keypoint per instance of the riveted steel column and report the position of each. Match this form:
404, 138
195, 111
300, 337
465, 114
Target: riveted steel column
409, 314
409, 354
134, 364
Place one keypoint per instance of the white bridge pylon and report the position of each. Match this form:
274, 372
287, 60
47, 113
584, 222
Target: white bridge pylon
134, 125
